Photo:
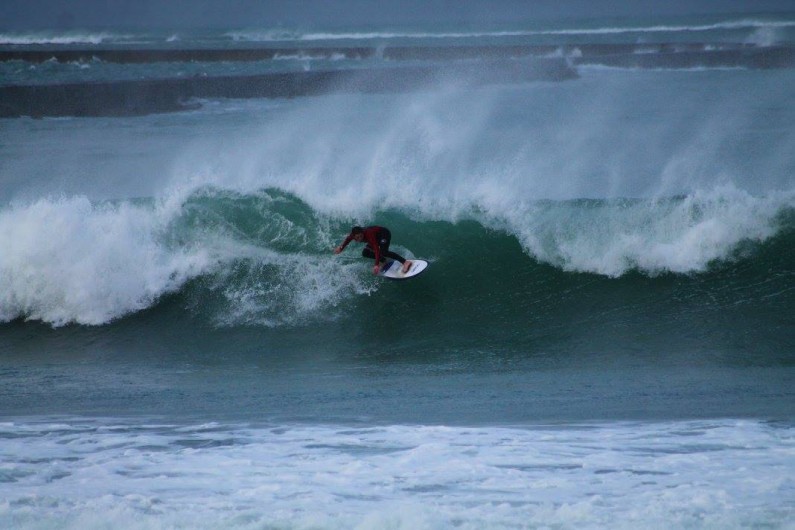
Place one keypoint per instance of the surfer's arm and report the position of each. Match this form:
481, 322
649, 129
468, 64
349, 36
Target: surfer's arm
343, 245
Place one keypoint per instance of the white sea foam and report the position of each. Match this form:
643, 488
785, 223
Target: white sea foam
275, 289
68, 260
94, 474
69, 37
680, 235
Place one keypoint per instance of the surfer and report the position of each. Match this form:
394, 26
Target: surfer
377, 239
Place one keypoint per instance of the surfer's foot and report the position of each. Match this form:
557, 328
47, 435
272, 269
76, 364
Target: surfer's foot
406, 266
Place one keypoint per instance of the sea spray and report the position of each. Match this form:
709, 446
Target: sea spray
68, 260
681, 235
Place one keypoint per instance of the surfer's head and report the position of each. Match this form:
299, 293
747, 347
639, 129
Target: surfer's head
357, 233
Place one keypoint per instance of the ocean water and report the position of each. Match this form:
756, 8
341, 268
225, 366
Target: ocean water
605, 337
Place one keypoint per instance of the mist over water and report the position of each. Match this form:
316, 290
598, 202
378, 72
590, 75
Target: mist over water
608, 135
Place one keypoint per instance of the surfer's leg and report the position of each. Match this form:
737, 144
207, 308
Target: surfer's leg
396, 257
367, 252
383, 246
384, 238
406, 262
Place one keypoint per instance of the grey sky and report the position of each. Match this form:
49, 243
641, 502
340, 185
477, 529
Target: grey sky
32, 14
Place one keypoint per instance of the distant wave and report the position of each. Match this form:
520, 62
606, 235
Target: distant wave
86, 37
53, 37
61, 38
727, 25
303, 56
270, 35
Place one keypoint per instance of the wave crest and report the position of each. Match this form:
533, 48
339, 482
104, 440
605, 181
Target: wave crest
680, 235
68, 260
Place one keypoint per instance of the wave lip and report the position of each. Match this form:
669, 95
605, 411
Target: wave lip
681, 235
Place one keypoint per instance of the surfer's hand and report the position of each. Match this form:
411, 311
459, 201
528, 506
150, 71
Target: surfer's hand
376, 269
337, 250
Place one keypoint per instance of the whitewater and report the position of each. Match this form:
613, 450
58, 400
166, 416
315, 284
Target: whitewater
604, 337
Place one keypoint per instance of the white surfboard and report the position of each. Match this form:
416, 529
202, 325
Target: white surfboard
394, 270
